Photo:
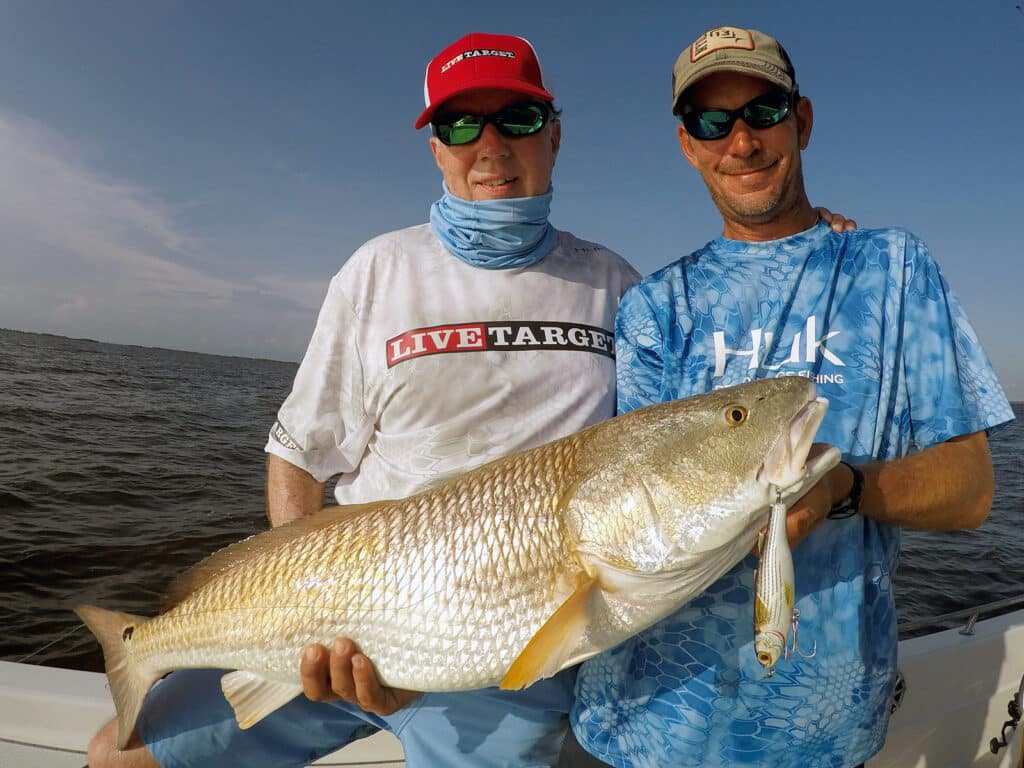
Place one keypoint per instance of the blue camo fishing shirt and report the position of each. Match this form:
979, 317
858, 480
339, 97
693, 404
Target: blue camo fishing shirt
869, 317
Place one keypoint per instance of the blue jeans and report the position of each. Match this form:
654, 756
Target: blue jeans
186, 723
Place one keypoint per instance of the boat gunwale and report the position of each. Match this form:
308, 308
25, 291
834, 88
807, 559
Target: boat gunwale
996, 607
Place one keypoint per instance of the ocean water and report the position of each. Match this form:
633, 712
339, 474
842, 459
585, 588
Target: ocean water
121, 466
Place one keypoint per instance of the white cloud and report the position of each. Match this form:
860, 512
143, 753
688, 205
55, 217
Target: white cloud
304, 293
71, 212
83, 253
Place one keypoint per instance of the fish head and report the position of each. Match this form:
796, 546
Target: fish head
698, 474
734, 450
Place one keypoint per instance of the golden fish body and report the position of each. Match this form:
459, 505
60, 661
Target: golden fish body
505, 574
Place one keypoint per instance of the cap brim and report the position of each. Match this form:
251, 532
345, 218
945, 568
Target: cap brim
726, 67
505, 85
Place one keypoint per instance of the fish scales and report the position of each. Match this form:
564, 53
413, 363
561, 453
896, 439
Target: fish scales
389, 585
507, 573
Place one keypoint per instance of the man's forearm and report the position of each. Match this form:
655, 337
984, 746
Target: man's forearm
946, 487
291, 491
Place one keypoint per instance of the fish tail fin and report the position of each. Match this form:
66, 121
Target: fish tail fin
129, 682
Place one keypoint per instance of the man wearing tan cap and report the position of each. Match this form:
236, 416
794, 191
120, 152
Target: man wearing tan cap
394, 393
867, 316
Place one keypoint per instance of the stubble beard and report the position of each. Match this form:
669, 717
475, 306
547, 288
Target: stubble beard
755, 210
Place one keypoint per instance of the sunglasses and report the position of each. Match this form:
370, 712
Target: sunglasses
766, 110
454, 129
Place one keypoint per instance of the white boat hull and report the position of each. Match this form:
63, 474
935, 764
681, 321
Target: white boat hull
957, 690
48, 715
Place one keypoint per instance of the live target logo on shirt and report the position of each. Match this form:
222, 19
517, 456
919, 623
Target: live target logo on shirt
504, 336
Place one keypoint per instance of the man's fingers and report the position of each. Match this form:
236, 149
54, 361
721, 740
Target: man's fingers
341, 669
837, 221
344, 673
373, 696
806, 514
369, 694
316, 681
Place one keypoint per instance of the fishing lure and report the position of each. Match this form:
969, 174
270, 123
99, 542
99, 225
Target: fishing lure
775, 618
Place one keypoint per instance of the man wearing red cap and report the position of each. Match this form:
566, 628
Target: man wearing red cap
382, 400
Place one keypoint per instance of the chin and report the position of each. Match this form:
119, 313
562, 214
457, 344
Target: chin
498, 195
754, 208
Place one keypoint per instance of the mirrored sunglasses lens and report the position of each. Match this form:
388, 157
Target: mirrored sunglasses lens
465, 129
710, 124
458, 130
521, 121
766, 111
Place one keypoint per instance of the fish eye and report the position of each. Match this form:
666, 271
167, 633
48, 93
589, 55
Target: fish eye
735, 415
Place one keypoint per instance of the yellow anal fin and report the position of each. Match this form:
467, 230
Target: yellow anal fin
254, 697
548, 650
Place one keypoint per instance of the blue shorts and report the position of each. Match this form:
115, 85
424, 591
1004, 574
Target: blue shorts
186, 723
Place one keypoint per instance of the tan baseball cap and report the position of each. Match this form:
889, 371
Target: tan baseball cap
731, 49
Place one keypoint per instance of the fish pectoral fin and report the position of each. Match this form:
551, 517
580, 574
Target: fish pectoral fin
551, 647
254, 697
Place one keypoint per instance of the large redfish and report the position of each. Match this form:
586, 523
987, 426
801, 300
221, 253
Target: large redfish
503, 575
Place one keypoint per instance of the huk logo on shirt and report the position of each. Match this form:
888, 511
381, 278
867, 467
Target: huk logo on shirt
804, 348
508, 336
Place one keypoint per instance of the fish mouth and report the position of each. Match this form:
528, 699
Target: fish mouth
791, 459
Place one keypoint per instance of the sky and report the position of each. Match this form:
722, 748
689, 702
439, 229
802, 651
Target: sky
190, 174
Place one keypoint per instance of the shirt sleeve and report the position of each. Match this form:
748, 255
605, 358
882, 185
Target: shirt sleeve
639, 347
951, 386
323, 426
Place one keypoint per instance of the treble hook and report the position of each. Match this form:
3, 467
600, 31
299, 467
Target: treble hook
794, 647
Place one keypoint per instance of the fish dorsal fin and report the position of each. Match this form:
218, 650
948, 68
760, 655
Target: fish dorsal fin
254, 697
223, 559
553, 644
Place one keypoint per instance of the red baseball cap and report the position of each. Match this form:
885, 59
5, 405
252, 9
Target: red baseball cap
480, 60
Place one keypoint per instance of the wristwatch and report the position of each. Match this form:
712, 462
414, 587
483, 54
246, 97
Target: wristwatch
849, 506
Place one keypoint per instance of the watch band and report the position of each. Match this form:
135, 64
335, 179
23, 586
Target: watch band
849, 506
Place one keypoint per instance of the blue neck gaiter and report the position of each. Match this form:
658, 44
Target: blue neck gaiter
494, 234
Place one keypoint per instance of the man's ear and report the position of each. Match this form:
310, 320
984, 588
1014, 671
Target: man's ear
436, 147
686, 144
556, 136
804, 121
